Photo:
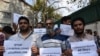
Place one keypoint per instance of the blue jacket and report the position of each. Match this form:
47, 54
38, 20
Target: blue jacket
56, 36
46, 41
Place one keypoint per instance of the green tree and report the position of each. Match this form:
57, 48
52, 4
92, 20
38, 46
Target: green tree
45, 11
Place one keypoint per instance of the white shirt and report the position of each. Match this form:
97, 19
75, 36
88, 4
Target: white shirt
30, 37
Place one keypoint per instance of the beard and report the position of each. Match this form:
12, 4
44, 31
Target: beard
24, 30
79, 33
49, 31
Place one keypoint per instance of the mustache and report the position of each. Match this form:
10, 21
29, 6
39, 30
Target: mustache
50, 30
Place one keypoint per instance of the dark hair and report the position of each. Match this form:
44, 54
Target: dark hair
65, 18
8, 29
23, 17
40, 23
77, 19
89, 31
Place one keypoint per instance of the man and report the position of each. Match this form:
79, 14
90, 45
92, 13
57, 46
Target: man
66, 20
7, 30
2, 36
39, 25
65, 26
78, 25
26, 33
51, 39
97, 37
88, 31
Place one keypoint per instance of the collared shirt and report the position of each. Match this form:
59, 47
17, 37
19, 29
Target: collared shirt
30, 37
47, 41
75, 38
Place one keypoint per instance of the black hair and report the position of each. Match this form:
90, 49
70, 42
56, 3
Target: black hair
89, 31
8, 29
40, 23
65, 18
77, 19
23, 17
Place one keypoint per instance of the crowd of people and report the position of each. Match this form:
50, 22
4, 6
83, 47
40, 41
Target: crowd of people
52, 38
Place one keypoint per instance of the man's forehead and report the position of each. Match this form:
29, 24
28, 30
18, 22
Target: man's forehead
49, 21
23, 20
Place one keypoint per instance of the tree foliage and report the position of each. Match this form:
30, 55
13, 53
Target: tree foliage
42, 11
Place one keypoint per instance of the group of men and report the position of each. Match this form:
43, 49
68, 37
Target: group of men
51, 39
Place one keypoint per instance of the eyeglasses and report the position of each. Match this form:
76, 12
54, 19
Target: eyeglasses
49, 23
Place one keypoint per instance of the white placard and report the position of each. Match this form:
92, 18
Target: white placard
50, 52
66, 30
55, 26
84, 48
40, 31
17, 48
16, 17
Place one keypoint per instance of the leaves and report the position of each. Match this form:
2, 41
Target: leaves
46, 11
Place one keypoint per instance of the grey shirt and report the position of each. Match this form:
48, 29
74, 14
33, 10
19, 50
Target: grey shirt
30, 37
75, 38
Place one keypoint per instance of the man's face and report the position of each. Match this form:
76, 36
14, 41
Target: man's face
67, 22
39, 25
78, 27
23, 25
49, 24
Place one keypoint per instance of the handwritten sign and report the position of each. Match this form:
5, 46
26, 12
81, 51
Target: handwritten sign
17, 48
50, 51
84, 48
66, 30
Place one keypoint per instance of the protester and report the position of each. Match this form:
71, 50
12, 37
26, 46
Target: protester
96, 34
66, 20
65, 26
97, 37
57, 31
49, 40
39, 25
25, 33
15, 27
88, 31
78, 25
2, 37
7, 30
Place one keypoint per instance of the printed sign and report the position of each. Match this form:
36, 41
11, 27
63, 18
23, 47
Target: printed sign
40, 31
50, 51
84, 48
66, 30
17, 48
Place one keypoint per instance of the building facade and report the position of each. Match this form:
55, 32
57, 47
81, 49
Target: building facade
9, 7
